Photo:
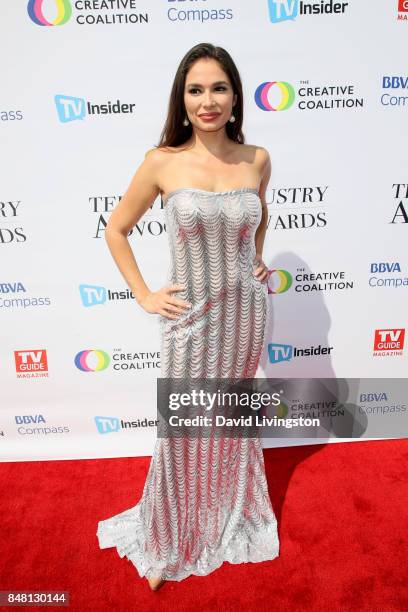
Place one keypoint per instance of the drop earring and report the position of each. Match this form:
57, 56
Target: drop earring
231, 119
186, 122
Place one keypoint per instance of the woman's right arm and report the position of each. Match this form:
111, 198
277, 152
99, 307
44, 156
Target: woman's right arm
141, 193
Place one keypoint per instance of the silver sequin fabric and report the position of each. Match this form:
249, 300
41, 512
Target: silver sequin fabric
205, 500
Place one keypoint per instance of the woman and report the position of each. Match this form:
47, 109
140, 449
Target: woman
205, 501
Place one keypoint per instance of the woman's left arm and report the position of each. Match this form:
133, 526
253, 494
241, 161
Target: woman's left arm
261, 271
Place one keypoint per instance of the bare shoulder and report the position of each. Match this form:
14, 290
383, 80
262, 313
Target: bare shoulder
156, 155
156, 160
161, 156
259, 156
262, 162
159, 164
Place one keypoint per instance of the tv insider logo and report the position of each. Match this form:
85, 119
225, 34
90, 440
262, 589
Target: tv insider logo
70, 108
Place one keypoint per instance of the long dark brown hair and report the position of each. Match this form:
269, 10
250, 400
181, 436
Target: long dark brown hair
174, 132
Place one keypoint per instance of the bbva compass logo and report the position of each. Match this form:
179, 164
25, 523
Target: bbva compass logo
280, 98
36, 14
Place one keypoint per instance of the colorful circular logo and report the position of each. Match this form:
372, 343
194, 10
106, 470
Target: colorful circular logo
286, 95
93, 360
280, 411
283, 281
35, 12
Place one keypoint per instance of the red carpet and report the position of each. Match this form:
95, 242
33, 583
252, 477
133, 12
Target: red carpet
342, 511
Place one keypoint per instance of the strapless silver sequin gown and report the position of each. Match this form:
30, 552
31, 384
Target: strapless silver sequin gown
205, 500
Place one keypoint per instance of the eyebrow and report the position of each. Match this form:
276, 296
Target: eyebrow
216, 83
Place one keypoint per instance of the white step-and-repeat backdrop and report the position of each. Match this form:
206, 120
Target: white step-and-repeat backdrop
85, 87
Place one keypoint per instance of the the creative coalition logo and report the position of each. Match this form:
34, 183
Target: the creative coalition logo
281, 95
63, 12
387, 274
389, 342
13, 295
150, 226
119, 360
282, 100
322, 406
392, 85
286, 352
402, 10
86, 12
8, 213
297, 207
93, 360
279, 281
309, 282
285, 97
31, 363
70, 108
32, 425
106, 424
281, 410
94, 295
288, 10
